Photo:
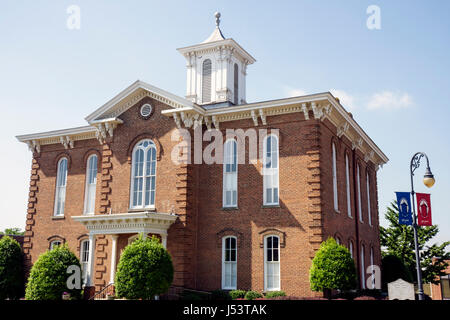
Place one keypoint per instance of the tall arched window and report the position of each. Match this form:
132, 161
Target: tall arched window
206, 81
368, 198
229, 263
363, 269
230, 174
60, 192
236, 84
91, 184
347, 181
335, 187
143, 176
271, 263
358, 185
270, 170
84, 258
372, 269
350, 248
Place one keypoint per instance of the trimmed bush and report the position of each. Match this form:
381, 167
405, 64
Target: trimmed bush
332, 268
145, 269
273, 294
237, 294
392, 268
252, 295
48, 276
220, 295
11, 270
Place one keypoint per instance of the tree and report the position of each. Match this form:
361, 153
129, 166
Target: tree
332, 268
145, 269
12, 232
48, 276
11, 270
398, 240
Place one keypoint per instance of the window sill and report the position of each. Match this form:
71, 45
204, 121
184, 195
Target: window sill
141, 209
58, 217
271, 206
337, 211
230, 208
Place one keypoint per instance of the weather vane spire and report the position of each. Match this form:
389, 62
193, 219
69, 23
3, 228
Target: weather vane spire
217, 15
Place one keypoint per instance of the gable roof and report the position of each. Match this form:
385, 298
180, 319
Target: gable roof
126, 98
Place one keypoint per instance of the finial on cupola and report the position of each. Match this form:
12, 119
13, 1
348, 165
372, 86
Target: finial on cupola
217, 15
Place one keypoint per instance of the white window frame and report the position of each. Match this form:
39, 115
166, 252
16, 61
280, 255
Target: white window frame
277, 286
90, 187
363, 267
84, 258
229, 264
60, 187
368, 198
144, 176
335, 182
372, 269
350, 248
230, 175
358, 185
55, 243
347, 180
271, 174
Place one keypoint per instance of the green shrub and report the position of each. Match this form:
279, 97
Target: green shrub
273, 294
11, 270
220, 295
237, 294
145, 269
251, 295
392, 268
196, 296
48, 276
332, 268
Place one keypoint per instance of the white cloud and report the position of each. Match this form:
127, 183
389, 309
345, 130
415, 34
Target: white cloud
292, 92
389, 100
346, 99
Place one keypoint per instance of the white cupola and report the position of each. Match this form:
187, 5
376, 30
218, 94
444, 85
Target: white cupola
216, 70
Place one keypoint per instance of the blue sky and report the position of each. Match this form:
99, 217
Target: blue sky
394, 80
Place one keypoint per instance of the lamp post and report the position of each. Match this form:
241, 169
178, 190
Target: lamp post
428, 180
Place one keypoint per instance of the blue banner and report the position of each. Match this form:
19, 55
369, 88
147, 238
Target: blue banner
404, 208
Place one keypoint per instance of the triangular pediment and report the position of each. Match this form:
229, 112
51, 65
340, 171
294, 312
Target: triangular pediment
135, 92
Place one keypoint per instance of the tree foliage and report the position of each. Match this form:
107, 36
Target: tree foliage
392, 268
48, 276
398, 240
12, 232
11, 270
145, 269
332, 268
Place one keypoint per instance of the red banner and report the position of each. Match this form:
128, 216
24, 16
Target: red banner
423, 209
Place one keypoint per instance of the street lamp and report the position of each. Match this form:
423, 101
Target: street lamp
428, 180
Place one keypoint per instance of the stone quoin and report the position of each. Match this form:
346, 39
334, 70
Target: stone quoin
253, 225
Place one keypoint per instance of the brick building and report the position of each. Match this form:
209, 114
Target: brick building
230, 224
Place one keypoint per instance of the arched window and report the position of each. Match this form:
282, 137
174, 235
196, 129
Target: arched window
335, 187
55, 244
338, 240
358, 185
372, 269
236, 84
206, 81
350, 248
84, 258
230, 174
368, 198
143, 176
91, 184
229, 263
270, 170
271, 263
60, 192
347, 181
363, 269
